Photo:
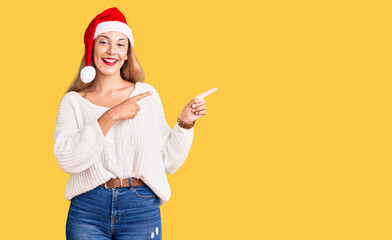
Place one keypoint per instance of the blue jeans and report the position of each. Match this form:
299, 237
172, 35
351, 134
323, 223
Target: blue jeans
117, 213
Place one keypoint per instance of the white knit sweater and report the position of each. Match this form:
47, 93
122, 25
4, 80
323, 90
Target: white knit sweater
145, 147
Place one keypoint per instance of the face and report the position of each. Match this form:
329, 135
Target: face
110, 52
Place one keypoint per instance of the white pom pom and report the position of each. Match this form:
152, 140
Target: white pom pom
87, 74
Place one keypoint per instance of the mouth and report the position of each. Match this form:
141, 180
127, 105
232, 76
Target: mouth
109, 61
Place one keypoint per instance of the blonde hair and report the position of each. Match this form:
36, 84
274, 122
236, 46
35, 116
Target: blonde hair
130, 71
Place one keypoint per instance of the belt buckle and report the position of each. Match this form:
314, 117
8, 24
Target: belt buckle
106, 185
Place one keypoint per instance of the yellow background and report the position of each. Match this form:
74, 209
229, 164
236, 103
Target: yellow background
296, 143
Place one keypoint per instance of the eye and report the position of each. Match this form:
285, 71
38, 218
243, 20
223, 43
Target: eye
102, 42
121, 45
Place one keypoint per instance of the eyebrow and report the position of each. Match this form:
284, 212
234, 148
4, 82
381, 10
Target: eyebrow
109, 37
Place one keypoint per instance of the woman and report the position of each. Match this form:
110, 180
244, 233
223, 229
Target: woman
112, 137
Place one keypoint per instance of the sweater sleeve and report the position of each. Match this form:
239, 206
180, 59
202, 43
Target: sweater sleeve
76, 148
176, 142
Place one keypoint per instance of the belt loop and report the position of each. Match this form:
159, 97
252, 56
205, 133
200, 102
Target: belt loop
130, 183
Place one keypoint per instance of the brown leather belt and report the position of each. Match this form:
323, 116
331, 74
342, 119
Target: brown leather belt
122, 182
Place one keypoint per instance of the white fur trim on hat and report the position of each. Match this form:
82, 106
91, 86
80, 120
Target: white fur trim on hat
87, 74
114, 26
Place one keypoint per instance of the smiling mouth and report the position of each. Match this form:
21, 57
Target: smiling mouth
109, 62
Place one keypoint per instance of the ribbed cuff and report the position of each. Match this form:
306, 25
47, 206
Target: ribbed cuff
184, 130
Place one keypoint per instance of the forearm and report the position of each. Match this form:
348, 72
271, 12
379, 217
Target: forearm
106, 121
177, 147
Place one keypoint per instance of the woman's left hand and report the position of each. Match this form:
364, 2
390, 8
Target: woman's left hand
196, 108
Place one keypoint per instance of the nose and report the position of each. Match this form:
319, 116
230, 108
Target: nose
110, 49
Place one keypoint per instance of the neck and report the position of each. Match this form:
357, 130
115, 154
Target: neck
107, 83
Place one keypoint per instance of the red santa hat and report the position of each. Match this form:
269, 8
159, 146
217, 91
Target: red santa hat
109, 20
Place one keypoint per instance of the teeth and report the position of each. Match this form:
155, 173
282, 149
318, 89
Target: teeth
111, 61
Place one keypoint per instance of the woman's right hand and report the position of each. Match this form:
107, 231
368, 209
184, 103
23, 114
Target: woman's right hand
128, 108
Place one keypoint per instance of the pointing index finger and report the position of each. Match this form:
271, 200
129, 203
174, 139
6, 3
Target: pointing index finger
206, 93
140, 96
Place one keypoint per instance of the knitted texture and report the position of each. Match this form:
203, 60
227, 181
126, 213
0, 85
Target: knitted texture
144, 147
